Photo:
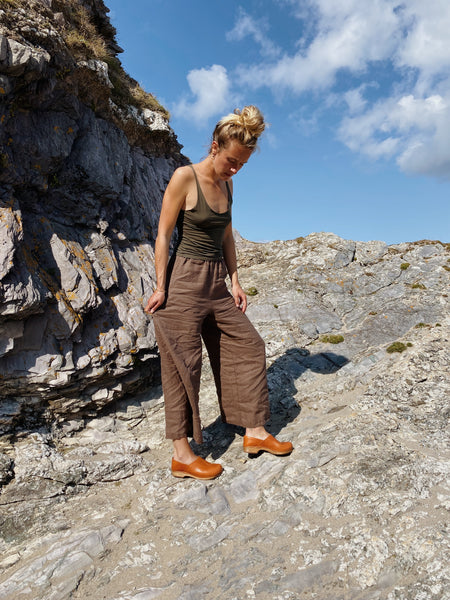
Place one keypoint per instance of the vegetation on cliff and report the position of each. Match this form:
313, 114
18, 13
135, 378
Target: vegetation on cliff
78, 35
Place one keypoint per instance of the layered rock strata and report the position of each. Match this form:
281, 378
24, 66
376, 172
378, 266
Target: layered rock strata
82, 173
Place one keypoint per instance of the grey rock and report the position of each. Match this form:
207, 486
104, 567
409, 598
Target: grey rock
308, 578
367, 253
193, 592
244, 487
203, 499
3, 48
145, 594
11, 234
99, 67
203, 542
9, 332
103, 260
16, 58
6, 469
63, 565
99, 159
5, 82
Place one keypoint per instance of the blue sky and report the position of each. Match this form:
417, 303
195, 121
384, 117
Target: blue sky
357, 95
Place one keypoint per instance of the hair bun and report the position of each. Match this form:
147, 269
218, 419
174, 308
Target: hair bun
244, 125
251, 119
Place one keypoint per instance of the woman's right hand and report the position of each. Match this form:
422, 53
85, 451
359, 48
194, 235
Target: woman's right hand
155, 301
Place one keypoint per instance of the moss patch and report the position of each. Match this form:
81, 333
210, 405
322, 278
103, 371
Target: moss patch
332, 339
398, 347
251, 291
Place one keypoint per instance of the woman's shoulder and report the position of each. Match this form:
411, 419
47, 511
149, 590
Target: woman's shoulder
182, 177
183, 173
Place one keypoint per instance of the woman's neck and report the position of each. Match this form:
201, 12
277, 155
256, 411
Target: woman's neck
207, 170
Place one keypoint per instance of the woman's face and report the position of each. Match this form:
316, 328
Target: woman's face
230, 159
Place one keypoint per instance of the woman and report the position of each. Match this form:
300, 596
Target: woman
191, 302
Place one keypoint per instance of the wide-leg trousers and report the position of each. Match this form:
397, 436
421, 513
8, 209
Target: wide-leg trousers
198, 306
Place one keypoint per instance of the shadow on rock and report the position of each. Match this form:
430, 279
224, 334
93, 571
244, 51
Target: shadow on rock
281, 377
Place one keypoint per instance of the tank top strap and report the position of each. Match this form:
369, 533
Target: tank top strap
195, 175
201, 205
230, 196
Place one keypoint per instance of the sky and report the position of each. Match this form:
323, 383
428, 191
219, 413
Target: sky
356, 95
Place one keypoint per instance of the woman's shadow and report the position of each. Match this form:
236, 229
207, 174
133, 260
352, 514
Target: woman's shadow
281, 377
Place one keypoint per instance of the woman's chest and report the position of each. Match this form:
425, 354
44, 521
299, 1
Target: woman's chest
203, 196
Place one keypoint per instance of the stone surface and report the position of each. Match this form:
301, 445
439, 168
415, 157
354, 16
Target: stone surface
359, 509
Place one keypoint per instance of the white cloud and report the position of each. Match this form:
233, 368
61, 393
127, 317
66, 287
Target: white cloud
414, 130
426, 45
355, 100
408, 43
211, 90
349, 35
257, 29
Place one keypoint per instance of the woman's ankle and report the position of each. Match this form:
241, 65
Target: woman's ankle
182, 451
259, 433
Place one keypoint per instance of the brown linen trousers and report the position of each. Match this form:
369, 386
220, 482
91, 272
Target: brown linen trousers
198, 306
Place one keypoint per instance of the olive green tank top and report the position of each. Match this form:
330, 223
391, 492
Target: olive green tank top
201, 229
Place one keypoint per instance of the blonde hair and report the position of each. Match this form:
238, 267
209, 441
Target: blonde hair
244, 125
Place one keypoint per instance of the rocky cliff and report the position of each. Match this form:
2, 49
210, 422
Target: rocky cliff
85, 155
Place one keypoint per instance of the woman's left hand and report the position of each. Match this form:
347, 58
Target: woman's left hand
240, 299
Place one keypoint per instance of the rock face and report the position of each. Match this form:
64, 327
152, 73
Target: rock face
357, 338
82, 172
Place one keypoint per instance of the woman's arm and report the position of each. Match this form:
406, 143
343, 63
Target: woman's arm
173, 202
229, 254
